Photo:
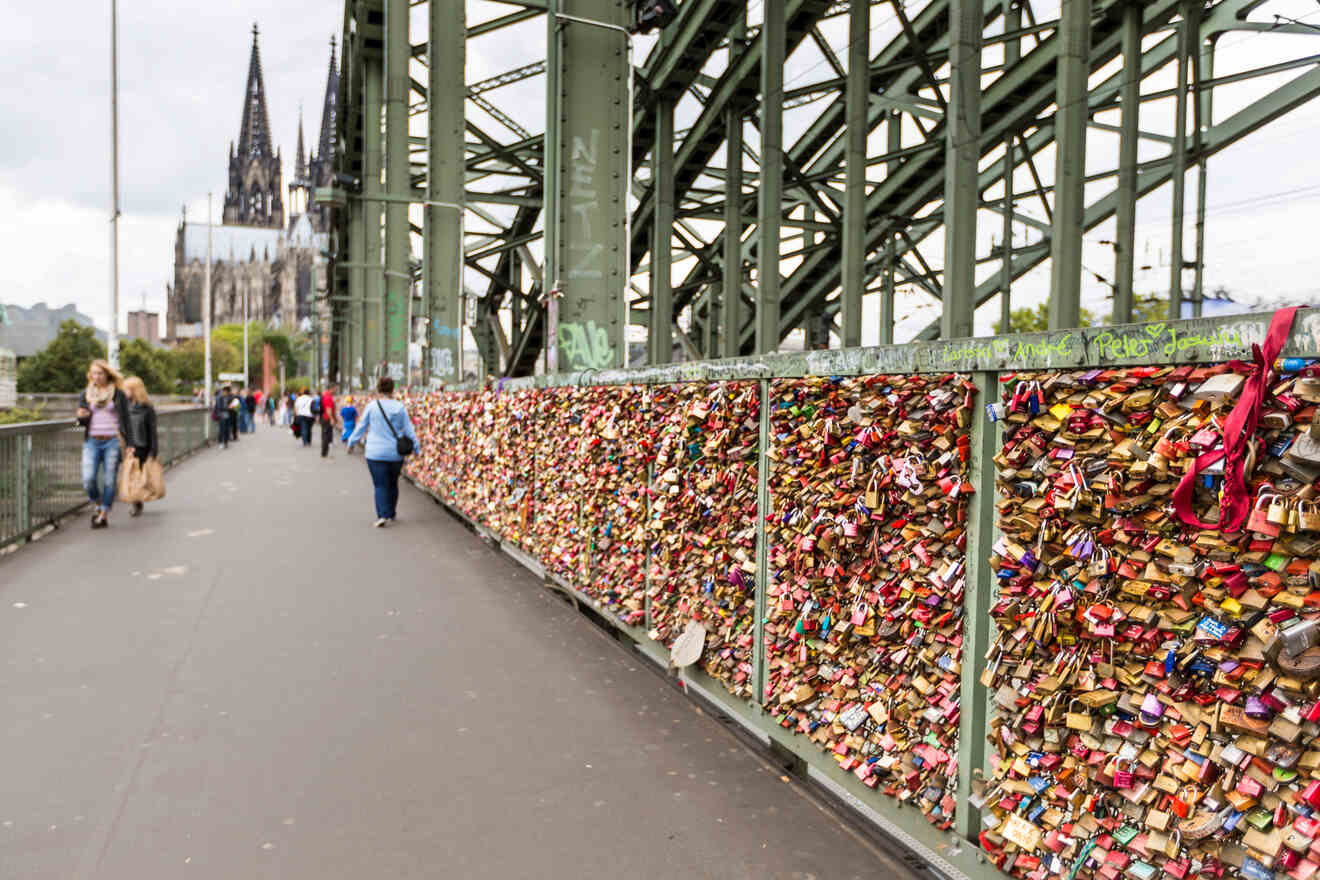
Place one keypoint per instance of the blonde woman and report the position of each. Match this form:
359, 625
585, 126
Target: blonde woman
103, 413
141, 434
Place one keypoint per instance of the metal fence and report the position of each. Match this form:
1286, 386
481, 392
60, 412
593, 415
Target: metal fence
41, 467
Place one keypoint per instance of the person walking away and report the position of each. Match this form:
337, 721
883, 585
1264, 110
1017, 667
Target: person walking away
303, 415
250, 411
221, 414
328, 417
390, 437
348, 413
235, 417
270, 410
141, 436
103, 413
284, 413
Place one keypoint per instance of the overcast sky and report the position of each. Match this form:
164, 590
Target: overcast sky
183, 71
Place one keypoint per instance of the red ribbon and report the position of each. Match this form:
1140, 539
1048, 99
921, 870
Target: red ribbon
1240, 427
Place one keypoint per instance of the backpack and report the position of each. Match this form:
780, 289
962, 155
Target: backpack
316, 406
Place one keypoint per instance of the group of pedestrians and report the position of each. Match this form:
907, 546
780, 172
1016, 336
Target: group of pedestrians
111, 408
116, 415
236, 413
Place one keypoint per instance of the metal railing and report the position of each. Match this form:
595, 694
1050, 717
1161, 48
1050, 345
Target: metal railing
41, 467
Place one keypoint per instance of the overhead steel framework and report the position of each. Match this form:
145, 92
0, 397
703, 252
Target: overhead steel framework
599, 198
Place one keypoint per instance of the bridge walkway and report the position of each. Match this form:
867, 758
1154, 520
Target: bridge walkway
250, 681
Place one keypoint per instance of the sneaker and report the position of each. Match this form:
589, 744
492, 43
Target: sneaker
380, 523
99, 521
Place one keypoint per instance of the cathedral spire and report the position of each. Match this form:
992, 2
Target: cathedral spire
254, 133
299, 163
325, 143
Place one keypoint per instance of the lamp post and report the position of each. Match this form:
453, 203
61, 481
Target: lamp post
113, 338
206, 309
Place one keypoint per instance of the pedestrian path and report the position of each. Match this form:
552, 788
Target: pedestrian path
251, 682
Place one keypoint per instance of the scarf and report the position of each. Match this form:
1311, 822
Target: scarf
98, 397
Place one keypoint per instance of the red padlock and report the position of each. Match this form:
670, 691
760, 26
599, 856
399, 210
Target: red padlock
1311, 793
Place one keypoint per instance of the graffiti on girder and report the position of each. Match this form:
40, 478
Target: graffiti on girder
585, 347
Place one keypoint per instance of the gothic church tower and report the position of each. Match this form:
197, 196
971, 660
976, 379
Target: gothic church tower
255, 194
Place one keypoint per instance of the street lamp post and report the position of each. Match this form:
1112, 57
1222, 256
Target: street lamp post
113, 338
206, 309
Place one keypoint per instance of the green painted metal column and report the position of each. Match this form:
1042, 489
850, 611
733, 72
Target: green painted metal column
442, 261
1070, 165
373, 344
961, 152
1179, 167
773, 49
1125, 213
731, 295
660, 344
398, 277
1203, 68
1012, 54
857, 99
355, 307
893, 143
587, 161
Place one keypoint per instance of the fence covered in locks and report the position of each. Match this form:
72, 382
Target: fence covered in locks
1041, 606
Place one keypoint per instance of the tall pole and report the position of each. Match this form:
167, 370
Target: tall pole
773, 50
731, 298
1012, 54
247, 284
442, 253
962, 150
893, 143
856, 97
398, 245
1179, 167
206, 309
661, 342
1070, 165
114, 184
1126, 210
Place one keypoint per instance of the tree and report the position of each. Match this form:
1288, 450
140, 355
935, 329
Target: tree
1145, 307
62, 365
188, 360
152, 365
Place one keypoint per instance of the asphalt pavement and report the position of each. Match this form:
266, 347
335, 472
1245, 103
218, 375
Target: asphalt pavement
249, 681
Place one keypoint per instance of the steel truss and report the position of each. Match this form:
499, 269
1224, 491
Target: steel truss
866, 190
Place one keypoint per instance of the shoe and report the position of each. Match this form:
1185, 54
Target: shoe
137, 509
99, 521
380, 523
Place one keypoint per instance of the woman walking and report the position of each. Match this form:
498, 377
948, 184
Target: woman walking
141, 434
103, 413
390, 437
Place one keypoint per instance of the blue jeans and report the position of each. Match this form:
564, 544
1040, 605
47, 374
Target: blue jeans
101, 453
245, 421
385, 479
348, 430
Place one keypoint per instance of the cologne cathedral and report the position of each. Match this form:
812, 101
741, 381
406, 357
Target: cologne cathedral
257, 255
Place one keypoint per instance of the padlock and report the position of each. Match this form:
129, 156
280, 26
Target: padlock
1123, 778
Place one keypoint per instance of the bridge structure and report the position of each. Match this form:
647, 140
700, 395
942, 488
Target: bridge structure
747, 171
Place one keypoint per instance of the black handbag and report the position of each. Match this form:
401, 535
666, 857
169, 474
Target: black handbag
403, 445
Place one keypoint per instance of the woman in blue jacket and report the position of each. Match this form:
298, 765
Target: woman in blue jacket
386, 424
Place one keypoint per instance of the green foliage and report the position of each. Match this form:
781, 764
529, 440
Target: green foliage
23, 414
62, 365
295, 384
288, 349
1036, 319
188, 361
152, 365
1145, 307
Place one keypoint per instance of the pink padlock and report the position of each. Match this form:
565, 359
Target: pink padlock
1123, 778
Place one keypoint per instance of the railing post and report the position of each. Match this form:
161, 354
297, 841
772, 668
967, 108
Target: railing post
762, 551
973, 703
23, 489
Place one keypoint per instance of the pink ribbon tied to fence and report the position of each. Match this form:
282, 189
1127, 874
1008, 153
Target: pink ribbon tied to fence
1239, 428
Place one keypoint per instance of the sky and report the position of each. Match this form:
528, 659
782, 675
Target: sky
181, 86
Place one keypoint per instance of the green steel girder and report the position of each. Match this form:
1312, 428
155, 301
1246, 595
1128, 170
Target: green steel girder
1011, 104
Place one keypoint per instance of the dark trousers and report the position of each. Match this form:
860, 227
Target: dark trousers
305, 429
226, 428
327, 433
385, 480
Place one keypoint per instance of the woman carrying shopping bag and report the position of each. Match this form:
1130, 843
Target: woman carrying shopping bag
103, 413
142, 478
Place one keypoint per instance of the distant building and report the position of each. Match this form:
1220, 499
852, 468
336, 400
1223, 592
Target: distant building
144, 325
276, 268
26, 331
